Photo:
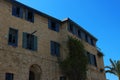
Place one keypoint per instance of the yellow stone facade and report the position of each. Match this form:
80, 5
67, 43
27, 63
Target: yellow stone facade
20, 61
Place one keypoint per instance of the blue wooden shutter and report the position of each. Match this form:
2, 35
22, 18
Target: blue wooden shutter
24, 45
16, 38
26, 14
21, 13
74, 30
14, 10
49, 23
52, 48
89, 40
35, 43
57, 27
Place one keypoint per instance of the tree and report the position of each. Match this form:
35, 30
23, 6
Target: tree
114, 68
75, 65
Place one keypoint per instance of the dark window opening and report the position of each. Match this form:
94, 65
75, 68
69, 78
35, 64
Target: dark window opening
18, 11
9, 76
13, 37
53, 25
63, 78
31, 75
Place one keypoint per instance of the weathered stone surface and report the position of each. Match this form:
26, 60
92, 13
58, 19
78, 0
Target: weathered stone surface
18, 60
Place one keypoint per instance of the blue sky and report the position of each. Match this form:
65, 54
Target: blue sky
100, 17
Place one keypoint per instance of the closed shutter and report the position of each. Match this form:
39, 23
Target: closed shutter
74, 30
13, 10
21, 13
49, 23
89, 40
35, 43
16, 38
24, 45
57, 27
83, 35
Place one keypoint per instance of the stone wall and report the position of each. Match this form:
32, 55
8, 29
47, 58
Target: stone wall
18, 60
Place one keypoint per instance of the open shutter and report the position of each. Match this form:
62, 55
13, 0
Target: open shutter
24, 45
13, 10
49, 23
57, 27
35, 43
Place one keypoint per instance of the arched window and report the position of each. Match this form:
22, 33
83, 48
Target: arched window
31, 75
34, 72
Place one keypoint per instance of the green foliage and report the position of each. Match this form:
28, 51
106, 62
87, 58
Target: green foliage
75, 65
114, 68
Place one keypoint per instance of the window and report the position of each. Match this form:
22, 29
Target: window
29, 41
53, 25
9, 76
17, 11
92, 59
70, 28
62, 78
22, 13
55, 48
29, 16
13, 37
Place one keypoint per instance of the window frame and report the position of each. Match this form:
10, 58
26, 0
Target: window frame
14, 37
14, 11
29, 15
56, 26
9, 75
54, 48
29, 43
92, 59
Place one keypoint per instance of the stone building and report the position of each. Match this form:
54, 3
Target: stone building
31, 41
